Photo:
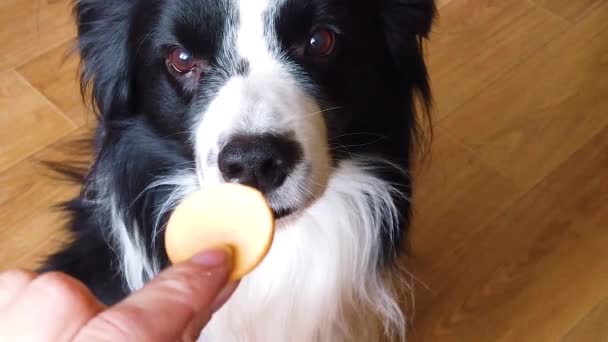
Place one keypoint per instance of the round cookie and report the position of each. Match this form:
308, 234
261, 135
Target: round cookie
227, 215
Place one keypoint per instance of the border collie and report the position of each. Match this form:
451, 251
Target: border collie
313, 102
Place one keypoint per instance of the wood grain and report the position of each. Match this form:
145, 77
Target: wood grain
476, 41
31, 27
28, 120
31, 224
570, 10
450, 183
542, 111
593, 328
535, 270
55, 75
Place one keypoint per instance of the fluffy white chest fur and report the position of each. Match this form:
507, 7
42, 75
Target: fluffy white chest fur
320, 280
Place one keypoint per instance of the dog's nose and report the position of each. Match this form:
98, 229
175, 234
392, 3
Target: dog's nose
259, 161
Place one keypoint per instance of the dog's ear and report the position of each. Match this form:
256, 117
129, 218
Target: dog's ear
406, 24
413, 17
103, 34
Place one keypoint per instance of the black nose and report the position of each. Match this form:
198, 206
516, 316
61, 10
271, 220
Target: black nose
260, 161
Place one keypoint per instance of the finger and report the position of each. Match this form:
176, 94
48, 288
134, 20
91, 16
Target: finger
11, 283
59, 306
164, 308
192, 333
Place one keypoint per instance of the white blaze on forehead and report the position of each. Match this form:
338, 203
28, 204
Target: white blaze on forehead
254, 39
267, 98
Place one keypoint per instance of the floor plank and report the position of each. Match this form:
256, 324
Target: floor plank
570, 10
29, 122
29, 192
534, 271
29, 27
593, 328
475, 41
537, 115
449, 184
55, 75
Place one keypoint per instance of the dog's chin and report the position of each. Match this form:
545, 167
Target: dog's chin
284, 218
289, 212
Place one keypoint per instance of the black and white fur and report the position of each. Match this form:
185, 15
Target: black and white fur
332, 272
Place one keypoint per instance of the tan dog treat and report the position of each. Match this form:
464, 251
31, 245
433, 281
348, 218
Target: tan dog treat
228, 215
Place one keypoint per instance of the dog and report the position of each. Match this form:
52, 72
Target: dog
312, 102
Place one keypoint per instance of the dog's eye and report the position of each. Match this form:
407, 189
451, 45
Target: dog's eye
321, 43
181, 60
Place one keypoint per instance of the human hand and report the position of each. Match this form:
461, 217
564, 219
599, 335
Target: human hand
176, 305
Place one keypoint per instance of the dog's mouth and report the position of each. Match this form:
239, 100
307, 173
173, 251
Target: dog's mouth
283, 212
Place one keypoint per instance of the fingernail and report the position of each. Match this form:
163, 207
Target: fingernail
213, 258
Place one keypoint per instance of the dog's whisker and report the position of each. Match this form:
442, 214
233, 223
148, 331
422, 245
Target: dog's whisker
302, 187
176, 134
357, 145
337, 149
310, 115
358, 134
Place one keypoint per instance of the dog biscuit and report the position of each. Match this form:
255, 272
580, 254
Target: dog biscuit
228, 215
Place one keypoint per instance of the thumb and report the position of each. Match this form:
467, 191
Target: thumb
165, 308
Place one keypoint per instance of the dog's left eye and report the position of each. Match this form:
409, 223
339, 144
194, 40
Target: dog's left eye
322, 43
182, 61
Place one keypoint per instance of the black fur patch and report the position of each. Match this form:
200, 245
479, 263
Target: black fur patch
367, 90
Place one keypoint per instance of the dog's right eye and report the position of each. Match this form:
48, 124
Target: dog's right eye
182, 61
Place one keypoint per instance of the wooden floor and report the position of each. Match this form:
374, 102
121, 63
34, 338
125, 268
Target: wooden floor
510, 239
